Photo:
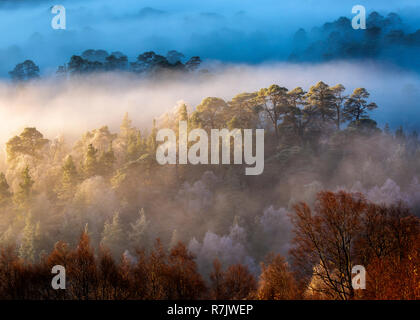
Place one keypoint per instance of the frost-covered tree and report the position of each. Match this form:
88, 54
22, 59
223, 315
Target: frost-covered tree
174, 239
30, 234
138, 231
113, 235
69, 179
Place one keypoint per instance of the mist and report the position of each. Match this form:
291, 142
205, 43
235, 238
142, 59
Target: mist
209, 210
99, 175
71, 107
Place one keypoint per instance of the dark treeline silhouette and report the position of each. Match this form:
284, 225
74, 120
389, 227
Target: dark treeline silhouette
341, 231
25, 71
91, 61
384, 38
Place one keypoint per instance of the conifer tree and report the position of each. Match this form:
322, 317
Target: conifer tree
29, 142
139, 143
25, 187
113, 236
138, 233
91, 162
338, 101
356, 106
125, 127
27, 249
106, 162
69, 179
182, 113
132, 139
151, 142
274, 101
5, 193
321, 98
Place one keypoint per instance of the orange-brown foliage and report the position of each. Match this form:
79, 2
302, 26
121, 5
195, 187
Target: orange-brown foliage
342, 230
345, 230
276, 280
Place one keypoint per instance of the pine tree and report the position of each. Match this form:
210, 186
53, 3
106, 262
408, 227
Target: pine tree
27, 249
69, 179
29, 142
132, 139
131, 148
125, 127
356, 106
182, 113
5, 193
140, 145
151, 142
274, 101
113, 236
25, 187
25, 71
138, 233
106, 162
233, 123
321, 98
338, 101
91, 163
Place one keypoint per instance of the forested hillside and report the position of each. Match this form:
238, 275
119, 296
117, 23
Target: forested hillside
330, 175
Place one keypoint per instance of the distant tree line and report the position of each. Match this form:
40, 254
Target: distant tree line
384, 37
91, 61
